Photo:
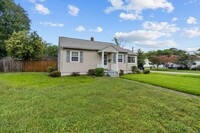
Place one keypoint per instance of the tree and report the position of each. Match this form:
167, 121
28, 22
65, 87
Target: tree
116, 41
25, 46
141, 57
51, 51
186, 60
13, 18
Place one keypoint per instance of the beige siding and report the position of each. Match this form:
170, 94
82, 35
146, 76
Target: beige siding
90, 61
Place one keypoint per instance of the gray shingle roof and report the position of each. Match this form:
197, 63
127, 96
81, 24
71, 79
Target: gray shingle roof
73, 43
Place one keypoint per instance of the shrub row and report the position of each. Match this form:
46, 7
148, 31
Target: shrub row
99, 72
135, 70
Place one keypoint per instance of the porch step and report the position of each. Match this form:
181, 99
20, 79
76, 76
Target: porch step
111, 73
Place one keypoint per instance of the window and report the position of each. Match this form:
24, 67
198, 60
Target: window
120, 58
131, 59
74, 56
105, 59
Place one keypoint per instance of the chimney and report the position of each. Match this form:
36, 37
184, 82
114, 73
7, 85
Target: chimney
132, 49
92, 39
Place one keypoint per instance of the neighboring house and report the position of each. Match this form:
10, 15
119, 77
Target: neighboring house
148, 64
77, 55
196, 63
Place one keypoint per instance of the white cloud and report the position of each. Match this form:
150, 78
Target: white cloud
80, 29
191, 49
98, 29
190, 33
139, 5
140, 35
167, 43
52, 24
174, 19
34, 1
162, 26
73, 10
145, 38
191, 20
42, 9
130, 16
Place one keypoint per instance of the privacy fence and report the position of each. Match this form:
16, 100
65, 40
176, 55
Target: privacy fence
25, 66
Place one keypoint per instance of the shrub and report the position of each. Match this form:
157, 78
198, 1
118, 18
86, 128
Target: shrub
75, 74
55, 74
99, 72
51, 69
91, 72
134, 69
121, 72
146, 71
139, 72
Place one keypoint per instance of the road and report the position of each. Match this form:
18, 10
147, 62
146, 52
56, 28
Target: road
165, 72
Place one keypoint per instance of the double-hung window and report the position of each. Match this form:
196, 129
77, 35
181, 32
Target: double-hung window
120, 58
75, 56
131, 59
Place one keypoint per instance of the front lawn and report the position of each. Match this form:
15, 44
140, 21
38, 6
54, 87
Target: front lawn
33, 102
184, 83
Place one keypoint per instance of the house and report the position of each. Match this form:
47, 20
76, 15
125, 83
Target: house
77, 55
148, 64
196, 63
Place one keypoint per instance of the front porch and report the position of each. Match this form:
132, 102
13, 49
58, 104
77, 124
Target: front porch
109, 61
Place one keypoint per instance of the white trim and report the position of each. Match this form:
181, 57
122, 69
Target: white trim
122, 58
71, 56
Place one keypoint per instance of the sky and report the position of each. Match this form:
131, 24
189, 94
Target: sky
145, 24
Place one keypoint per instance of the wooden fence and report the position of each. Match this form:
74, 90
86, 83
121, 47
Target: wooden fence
25, 66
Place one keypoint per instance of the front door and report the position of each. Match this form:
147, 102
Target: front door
106, 61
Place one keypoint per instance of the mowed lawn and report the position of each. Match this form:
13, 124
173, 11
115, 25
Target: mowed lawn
185, 83
34, 102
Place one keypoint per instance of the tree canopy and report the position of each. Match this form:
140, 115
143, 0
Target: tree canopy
172, 55
13, 18
25, 46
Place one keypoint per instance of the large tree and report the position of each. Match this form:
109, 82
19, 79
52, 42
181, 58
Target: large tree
50, 51
25, 46
186, 60
13, 18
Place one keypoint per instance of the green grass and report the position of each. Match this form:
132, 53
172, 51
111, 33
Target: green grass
184, 83
33, 102
172, 70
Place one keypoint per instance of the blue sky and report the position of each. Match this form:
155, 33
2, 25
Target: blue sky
145, 24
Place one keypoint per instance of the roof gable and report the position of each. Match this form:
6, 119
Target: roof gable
73, 43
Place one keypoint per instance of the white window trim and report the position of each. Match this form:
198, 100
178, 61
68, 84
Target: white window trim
71, 56
133, 57
122, 58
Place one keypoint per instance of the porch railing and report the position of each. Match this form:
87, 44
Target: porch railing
115, 67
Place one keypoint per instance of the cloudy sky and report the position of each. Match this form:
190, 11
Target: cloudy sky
145, 24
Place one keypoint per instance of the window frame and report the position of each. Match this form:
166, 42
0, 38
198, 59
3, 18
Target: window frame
122, 58
72, 51
134, 60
